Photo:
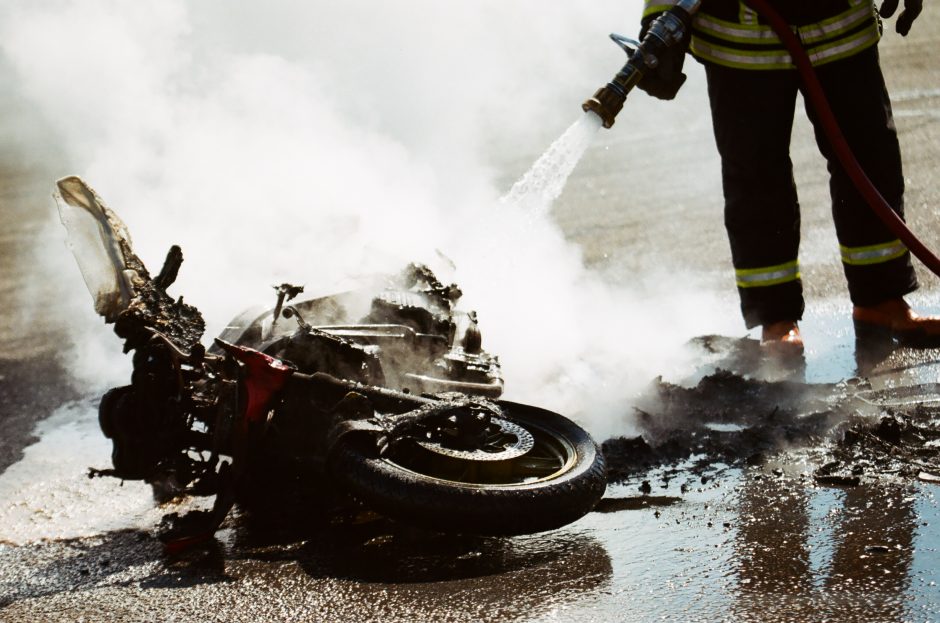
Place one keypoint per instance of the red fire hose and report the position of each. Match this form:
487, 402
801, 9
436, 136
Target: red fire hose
831, 128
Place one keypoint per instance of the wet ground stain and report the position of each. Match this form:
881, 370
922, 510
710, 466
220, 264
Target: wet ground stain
721, 509
30, 390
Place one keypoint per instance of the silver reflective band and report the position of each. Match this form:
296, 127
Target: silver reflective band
774, 59
846, 47
875, 254
779, 58
752, 32
826, 41
690, 6
769, 276
748, 15
812, 33
733, 32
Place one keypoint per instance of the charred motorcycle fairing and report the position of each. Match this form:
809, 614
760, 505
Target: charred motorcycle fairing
386, 392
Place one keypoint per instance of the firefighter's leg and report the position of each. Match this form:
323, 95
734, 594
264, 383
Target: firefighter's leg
877, 265
752, 114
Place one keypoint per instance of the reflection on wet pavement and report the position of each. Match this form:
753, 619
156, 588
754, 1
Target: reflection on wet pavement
716, 515
718, 518
852, 562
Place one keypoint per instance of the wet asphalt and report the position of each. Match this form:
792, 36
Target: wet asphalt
754, 542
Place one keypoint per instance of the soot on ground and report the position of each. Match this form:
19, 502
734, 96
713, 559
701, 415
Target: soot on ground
851, 433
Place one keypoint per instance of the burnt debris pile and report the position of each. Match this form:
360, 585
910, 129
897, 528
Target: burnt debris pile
849, 431
903, 441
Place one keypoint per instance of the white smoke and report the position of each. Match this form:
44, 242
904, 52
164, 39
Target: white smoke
312, 142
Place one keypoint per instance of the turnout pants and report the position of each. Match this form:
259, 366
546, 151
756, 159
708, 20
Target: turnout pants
752, 114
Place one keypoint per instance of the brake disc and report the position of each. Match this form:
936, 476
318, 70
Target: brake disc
507, 449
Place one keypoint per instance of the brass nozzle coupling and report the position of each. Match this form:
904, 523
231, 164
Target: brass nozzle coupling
608, 100
606, 103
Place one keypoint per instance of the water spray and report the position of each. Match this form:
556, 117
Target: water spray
668, 30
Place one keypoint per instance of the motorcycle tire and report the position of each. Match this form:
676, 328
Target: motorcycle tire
555, 483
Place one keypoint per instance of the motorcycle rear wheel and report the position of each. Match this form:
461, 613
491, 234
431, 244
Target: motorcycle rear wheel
556, 482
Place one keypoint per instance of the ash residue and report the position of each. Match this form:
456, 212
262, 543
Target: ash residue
725, 418
734, 420
901, 442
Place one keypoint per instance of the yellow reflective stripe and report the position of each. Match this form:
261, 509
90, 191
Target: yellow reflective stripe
779, 58
820, 55
746, 15
735, 33
767, 275
752, 32
840, 24
740, 59
873, 254
655, 7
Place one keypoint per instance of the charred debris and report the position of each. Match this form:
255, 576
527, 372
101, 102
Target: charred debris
852, 433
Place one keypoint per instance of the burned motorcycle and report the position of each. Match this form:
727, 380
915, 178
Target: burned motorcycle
386, 392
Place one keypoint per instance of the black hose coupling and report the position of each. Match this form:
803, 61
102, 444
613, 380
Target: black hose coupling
669, 30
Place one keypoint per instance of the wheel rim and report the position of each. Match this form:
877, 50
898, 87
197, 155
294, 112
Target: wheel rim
549, 455
502, 441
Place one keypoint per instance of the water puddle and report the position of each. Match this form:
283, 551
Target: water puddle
48, 494
721, 519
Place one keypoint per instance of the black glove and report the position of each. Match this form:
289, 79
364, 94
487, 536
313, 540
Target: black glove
666, 80
912, 9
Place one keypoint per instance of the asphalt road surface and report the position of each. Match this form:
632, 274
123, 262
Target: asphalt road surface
756, 543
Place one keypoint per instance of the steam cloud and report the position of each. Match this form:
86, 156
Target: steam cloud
315, 142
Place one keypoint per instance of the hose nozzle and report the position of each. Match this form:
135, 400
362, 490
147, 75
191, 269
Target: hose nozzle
668, 30
606, 103
608, 100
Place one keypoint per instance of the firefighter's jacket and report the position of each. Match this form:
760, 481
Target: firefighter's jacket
729, 33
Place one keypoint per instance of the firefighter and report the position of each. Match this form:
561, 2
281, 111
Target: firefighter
752, 87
